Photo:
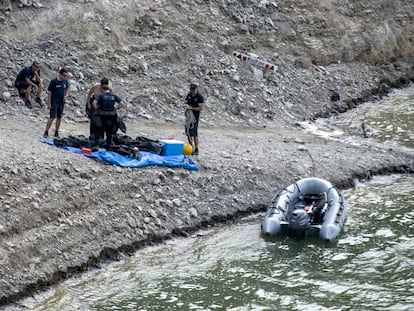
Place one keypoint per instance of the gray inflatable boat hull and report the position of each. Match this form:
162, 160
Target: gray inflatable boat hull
286, 213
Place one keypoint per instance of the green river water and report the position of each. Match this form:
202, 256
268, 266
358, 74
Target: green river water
370, 267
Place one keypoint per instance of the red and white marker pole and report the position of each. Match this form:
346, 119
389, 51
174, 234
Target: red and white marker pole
254, 61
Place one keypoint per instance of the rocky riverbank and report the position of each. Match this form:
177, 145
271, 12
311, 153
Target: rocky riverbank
62, 213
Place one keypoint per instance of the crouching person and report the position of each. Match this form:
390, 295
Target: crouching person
106, 110
27, 80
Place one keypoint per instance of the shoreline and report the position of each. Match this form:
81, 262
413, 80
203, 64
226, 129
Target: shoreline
108, 255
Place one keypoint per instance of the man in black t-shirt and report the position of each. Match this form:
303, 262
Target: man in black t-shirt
194, 103
57, 92
27, 80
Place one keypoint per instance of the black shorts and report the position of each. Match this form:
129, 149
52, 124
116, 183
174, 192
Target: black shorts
24, 85
57, 110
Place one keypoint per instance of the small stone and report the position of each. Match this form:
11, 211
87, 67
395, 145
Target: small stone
169, 203
236, 78
193, 212
35, 205
6, 96
132, 223
299, 141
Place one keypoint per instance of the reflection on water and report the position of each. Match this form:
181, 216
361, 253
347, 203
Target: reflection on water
234, 268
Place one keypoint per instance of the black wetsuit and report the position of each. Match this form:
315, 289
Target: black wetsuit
93, 116
108, 116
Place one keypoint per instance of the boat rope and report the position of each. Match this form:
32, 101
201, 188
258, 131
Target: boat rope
313, 162
190, 121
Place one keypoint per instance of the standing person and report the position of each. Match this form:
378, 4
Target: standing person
57, 92
27, 80
94, 91
194, 105
105, 105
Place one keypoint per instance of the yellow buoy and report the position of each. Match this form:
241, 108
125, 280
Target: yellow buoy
187, 149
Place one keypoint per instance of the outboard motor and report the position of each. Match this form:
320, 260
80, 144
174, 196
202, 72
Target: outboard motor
299, 221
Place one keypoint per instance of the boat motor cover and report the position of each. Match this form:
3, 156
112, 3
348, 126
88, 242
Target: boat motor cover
299, 220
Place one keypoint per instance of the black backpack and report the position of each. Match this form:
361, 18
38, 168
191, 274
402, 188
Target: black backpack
78, 141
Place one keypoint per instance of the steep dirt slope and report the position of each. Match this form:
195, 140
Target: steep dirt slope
151, 50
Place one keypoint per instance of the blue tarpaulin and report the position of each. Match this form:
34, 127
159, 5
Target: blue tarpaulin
144, 158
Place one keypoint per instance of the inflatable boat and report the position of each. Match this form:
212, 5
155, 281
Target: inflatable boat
308, 207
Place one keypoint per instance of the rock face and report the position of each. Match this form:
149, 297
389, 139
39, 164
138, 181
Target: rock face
152, 51
61, 212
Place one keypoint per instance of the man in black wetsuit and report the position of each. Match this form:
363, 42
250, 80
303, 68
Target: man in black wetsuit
194, 102
105, 106
94, 91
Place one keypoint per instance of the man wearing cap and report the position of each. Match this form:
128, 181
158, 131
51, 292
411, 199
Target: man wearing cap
194, 102
28, 79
